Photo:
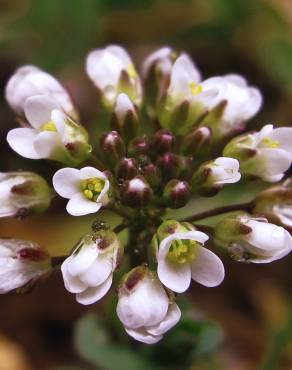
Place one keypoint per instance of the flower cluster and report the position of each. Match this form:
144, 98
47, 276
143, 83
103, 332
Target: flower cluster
165, 147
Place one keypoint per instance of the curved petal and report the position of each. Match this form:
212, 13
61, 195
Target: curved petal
92, 295
21, 141
79, 205
46, 143
98, 271
89, 172
284, 136
83, 260
175, 277
170, 320
143, 336
66, 182
38, 109
275, 161
207, 269
72, 283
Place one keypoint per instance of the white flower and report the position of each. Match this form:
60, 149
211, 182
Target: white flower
125, 118
257, 240
22, 263
22, 193
224, 170
28, 81
181, 257
112, 71
88, 272
86, 188
270, 152
52, 134
160, 59
144, 307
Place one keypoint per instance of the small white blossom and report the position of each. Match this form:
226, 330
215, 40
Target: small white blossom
87, 189
28, 81
160, 59
88, 272
224, 170
269, 152
112, 71
182, 257
144, 307
22, 263
22, 193
52, 134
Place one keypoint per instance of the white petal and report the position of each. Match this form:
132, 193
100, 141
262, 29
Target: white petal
38, 110
21, 141
89, 172
160, 54
143, 336
207, 268
92, 295
66, 182
79, 205
284, 136
72, 283
171, 319
276, 161
46, 143
236, 79
175, 277
83, 260
98, 271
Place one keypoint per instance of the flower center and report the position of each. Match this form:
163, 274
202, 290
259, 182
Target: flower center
131, 71
269, 143
195, 88
49, 126
92, 188
182, 251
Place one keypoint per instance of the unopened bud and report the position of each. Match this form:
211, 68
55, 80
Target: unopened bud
127, 169
162, 141
138, 146
196, 142
171, 165
176, 193
152, 175
23, 193
112, 148
136, 192
125, 118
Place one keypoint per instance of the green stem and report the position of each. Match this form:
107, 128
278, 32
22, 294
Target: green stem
218, 211
121, 227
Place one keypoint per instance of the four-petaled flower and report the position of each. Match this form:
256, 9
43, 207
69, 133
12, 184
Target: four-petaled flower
86, 188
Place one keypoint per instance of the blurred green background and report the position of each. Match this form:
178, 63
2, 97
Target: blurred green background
253, 306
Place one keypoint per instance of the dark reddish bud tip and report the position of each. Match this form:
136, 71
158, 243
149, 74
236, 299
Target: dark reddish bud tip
170, 165
162, 141
152, 175
176, 193
112, 147
138, 146
136, 192
32, 254
127, 169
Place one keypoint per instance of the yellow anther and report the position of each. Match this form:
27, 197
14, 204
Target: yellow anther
131, 70
49, 126
92, 188
195, 88
182, 251
269, 143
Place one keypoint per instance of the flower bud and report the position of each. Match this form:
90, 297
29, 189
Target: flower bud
249, 239
138, 146
196, 142
23, 193
23, 263
88, 271
28, 81
212, 175
171, 165
176, 193
266, 154
162, 141
112, 148
136, 192
127, 169
144, 307
112, 71
152, 175
125, 118
275, 204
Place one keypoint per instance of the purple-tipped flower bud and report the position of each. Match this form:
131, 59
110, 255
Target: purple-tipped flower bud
138, 146
152, 175
176, 193
171, 165
136, 192
125, 118
196, 141
162, 141
127, 169
112, 147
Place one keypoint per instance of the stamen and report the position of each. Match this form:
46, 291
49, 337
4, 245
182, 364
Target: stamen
195, 88
49, 126
92, 188
269, 143
131, 70
182, 251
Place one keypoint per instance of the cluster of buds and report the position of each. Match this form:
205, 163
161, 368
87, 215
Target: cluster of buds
160, 152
